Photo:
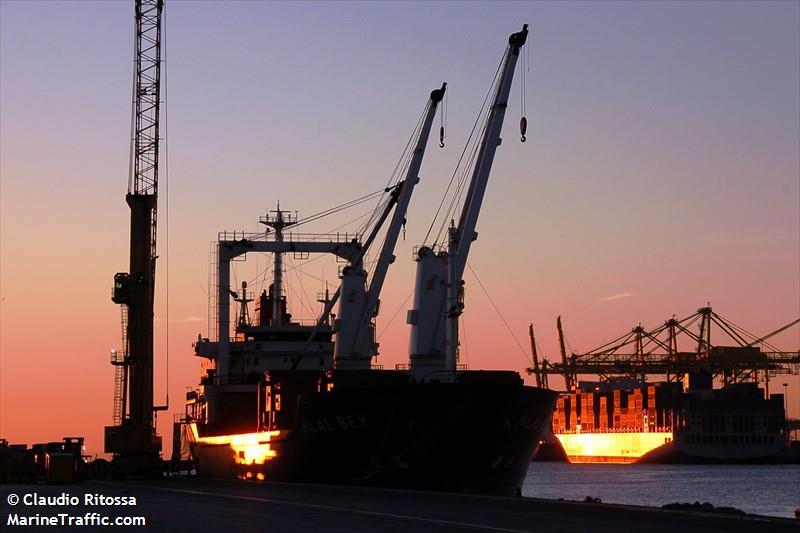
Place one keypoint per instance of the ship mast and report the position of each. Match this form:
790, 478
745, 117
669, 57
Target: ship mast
278, 223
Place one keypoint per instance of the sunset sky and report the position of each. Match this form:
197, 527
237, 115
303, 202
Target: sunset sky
661, 172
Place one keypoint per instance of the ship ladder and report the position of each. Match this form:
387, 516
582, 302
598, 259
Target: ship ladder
118, 359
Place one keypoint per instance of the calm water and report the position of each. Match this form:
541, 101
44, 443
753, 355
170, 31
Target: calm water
768, 490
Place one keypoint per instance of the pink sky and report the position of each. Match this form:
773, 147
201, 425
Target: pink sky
661, 172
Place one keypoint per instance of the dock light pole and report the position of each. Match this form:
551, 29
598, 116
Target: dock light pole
786, 400
787, 430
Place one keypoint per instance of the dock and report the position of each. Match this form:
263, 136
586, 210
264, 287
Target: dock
201, 504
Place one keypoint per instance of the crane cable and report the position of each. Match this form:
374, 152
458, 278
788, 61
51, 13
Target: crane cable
400, 167
340, 207
133, 116
166, 191
485, 113
394, 315
523, 66
402, 164
442, 121
502, 318
461, 157
468, 168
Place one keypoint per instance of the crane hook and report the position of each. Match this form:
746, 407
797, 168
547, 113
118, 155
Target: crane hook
523, 128
441, 137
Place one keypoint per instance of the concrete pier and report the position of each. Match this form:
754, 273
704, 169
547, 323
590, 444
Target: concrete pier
196, 504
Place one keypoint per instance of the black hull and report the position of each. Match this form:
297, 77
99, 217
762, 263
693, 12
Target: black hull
457, 437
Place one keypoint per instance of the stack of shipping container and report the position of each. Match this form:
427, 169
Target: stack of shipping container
605, 407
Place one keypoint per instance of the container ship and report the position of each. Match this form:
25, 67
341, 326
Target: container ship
670, 422
293, 401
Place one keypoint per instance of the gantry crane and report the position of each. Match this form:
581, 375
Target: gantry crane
133, 439
642, 352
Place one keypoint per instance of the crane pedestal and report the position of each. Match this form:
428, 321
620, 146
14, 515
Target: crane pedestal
136, 449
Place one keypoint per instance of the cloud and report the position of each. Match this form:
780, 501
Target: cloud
617, 296
186, 319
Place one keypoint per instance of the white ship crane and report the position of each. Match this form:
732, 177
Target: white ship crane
438, 292
358, 305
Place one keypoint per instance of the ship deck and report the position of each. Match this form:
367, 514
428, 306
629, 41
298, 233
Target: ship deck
199, 504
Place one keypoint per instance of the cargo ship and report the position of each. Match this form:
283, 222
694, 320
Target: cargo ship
670, 422
293, 401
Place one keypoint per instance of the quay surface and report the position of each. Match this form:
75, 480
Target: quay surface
198, 504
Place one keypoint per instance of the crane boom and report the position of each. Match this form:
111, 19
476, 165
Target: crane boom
135, 442
142, 198
569, 379
465, 231
535, 356
773, 333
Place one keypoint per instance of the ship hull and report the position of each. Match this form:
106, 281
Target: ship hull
662, 448
611, 447
458, 437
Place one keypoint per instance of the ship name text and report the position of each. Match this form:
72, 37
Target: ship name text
335, 423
